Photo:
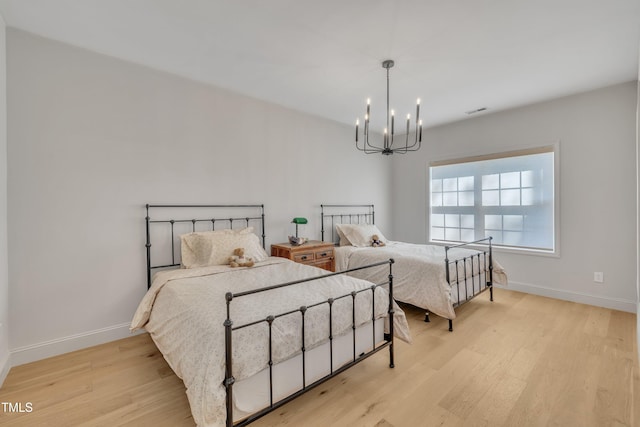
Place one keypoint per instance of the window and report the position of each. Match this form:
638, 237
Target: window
509, 196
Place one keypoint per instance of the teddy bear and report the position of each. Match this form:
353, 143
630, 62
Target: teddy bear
239, 260
375, 241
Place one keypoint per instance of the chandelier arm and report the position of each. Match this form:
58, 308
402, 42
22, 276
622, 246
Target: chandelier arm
371, 151
367, 151
408, 147
411, 147
366, 136
373, 147
418, 139
368, 148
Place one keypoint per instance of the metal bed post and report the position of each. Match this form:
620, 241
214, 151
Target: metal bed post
228, 380
303, 349
270, 320
391, 311
353, 322
446, 263
263, 231
322, 223
490, 270
148, 246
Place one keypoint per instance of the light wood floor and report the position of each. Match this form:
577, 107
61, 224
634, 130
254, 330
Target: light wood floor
522, 360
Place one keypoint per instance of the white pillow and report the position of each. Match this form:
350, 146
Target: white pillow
343, 239
201, 249
360, 234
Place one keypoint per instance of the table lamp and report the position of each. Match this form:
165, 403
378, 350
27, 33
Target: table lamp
298, 240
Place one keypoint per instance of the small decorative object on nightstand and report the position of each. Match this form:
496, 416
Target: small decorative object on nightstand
313, 252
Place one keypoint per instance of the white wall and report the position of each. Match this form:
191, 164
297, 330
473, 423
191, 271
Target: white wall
638, 211
4, 277
92, 139
596, 135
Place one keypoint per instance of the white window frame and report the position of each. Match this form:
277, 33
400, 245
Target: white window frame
555, 148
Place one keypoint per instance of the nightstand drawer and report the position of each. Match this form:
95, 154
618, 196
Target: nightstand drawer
303, 258
324, 254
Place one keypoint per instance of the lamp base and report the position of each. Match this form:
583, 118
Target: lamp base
297, 241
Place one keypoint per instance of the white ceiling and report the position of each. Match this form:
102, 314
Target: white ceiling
324, 56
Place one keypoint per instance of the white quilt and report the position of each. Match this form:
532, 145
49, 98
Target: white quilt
184, 311
418, 273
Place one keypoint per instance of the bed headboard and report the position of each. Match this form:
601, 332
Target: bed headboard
167, 222
344, 214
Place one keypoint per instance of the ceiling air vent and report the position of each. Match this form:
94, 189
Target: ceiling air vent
478, 110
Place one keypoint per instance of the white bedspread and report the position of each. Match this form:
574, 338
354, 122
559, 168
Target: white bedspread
184, 311
418, 273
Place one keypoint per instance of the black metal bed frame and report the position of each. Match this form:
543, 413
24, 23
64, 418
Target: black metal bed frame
229, 327
194, 221
480, 276
357, 358
366, 217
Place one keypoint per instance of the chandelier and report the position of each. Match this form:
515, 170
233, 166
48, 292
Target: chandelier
387, 146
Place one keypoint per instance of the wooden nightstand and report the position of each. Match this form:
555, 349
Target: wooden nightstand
314, 252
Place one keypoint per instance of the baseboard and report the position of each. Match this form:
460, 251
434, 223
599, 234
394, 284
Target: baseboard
629, 306
5, 365
38, 351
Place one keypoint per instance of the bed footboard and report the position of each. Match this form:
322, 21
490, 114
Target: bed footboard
469, 275
376, 346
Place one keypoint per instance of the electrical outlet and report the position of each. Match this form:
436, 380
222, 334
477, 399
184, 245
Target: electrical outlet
598, 277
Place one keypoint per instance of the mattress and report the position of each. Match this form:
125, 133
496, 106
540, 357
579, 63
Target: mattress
253, 394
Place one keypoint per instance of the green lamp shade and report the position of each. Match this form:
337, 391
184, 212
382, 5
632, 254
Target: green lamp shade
297, 221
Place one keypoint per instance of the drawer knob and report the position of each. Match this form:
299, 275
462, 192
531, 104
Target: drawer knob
304, 257
323, 254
